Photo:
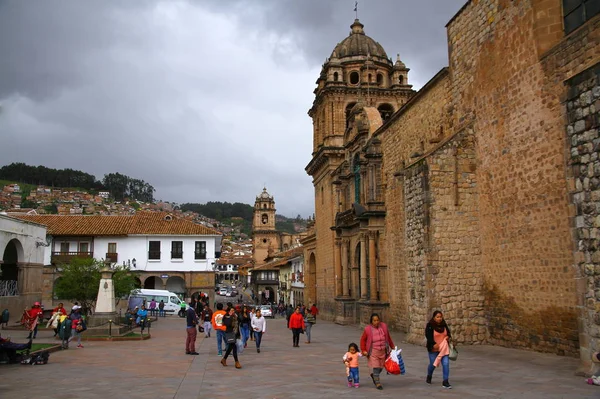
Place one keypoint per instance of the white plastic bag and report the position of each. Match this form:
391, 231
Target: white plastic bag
240, 346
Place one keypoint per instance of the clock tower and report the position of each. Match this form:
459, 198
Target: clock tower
265, 238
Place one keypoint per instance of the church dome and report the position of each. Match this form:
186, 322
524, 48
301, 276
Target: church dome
358, 44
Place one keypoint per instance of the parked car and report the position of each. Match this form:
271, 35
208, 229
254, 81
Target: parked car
222, 291
228, 293
266, 311
232, 286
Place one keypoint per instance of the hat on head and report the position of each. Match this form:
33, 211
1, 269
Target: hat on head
76, 307
37, 304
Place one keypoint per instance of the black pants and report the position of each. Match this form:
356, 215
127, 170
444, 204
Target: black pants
296, 335
231, 347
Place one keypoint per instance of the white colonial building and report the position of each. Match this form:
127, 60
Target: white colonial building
164, 251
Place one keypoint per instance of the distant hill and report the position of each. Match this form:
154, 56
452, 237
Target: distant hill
120, 186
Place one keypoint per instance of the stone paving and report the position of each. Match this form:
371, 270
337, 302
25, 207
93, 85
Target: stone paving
158, 368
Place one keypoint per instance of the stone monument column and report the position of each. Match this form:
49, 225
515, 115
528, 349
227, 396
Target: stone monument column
338, 267
372, 266
105, 302
345, 274
363, 267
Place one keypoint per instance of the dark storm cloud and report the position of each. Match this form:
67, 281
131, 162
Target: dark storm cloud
205, 100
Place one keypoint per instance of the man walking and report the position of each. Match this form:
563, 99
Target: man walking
192, 322
206, 319
219, 327
152, 307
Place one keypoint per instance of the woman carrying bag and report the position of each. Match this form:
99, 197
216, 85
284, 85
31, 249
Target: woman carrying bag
438, 345
231, 334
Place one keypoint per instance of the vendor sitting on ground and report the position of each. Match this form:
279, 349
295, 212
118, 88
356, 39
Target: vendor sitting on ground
11, 348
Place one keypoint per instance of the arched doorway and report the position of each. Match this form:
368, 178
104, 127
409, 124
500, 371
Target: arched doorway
9, 278
153, 283
138, 282
177, 285
268, 295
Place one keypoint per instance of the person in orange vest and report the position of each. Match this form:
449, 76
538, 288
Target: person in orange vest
219, 327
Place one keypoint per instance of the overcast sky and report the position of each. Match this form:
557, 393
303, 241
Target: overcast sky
205, 100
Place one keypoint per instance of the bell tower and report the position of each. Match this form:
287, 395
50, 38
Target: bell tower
357, 75
264, 236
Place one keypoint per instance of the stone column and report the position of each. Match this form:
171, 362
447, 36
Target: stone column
338, 267
345, 274
363, 267
105, 303
372, 266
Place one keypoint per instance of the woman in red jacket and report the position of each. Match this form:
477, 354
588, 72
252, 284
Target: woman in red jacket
297, 325
375, 343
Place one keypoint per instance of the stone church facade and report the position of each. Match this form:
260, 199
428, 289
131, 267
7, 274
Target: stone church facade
476, 195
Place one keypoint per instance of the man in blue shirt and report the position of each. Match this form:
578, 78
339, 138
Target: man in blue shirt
192, 322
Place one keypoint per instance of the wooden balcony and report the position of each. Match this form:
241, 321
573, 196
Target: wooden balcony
112, 257
65, 257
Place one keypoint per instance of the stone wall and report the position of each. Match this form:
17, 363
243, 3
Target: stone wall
416, 129
454, 270
500, 87
583, 130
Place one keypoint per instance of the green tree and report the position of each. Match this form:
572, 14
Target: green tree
80, 280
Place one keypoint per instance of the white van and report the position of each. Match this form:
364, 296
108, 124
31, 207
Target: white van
172, 302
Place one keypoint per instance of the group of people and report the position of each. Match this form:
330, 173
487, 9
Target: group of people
67, 326
233, 326
376, 343
156, 308
300, 320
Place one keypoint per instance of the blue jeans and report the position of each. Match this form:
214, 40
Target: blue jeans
308, 327
161, 312
221, 338
353, 375
245, 330
445, 365
258, 338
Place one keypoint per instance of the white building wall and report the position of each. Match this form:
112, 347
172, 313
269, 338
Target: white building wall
136, 247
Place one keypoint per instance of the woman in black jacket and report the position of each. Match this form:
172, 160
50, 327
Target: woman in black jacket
231, 323
437, 331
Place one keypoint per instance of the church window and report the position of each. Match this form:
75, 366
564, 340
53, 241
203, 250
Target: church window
264, 240
265, 219
264, 206
354, 78
369, 78
577, 12
385, 111
322, 196
401, 79
335, 76
379, 78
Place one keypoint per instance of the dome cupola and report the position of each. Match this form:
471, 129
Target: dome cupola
358, 44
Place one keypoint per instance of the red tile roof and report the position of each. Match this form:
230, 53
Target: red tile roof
153, 223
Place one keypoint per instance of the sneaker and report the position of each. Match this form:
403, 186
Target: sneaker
446, 384
428, 380
80, 346
220, 354
258, 350
194, 353
356, 385
187, 352
349, 384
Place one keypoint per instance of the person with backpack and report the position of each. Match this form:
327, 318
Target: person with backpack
161, 308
